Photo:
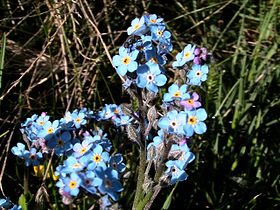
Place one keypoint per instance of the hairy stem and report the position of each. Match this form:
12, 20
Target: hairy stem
140, 179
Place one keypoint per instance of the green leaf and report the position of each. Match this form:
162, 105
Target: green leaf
2, 57
169, 199
22, 202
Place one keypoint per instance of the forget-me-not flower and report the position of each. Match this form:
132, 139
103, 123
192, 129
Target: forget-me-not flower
197, 74
125, 61
183, 57
195, 122
150, 78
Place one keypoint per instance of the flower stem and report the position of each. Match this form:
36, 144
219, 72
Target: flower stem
25, 180
140, 180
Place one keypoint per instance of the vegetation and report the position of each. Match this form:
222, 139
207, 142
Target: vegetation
56, 56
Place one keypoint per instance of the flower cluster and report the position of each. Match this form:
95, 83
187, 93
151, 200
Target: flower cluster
142, 57
114, 113
88, 163
142, 60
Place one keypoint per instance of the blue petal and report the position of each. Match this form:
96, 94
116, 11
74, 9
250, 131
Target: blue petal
121, 70
152, 87
200, 128
160, 80
201, 114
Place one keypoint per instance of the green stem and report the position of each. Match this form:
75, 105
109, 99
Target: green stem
140, 179
25, 180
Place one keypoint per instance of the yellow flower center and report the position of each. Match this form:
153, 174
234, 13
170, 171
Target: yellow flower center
190, 101
76, 165
187, 54
50, 130
136, 26
153, 21
177, 94
126, 60
159, 32
72, 184
41, 123
83, 151
154, 60
96, 158
78, 120
192, 120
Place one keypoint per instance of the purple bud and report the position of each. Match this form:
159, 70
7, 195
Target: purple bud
197, 51
204, 50
196, 60
203, 56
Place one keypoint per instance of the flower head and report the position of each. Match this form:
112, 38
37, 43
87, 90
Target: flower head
173, 122
125, 61
137, 27
197, 74
191, 102
32, 157
176, 93
150, 78
195, 122
183, 57
110, 182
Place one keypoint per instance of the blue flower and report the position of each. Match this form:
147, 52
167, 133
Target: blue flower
18, 150
183, 57
5, 203
173, 122
49, 128
152, 19
29, 121
78, 119
70, 184
173, 169
153, 58
125, 61
32, 157
143, 44
197, 74
110, 182
116, 163
97, 158
106, 113
60, 143
122, 120
159, 33
182, 154
80, 149
90, 181
137, 27
151, 78
195, 122
71, 164
164, 46
176, 93
41, 120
